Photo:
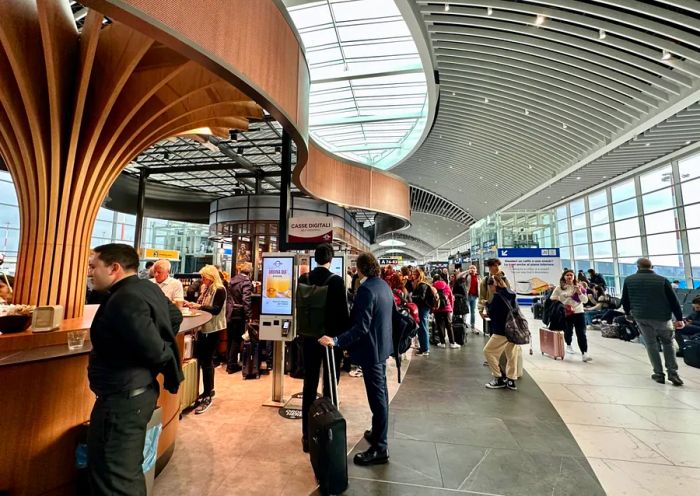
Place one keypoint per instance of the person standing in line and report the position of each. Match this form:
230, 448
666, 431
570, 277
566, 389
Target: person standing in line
408, 274
369, 341
334, 320
573, 297
420, 298
650, 299
472, 282
241, 312
502, 301
212, 299
443, 315
133, 340
486, 292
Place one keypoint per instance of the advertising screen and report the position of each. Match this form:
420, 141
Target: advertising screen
337, 265
277, 285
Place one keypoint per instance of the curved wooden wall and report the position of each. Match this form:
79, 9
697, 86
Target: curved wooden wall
335, 180
249, 43
74, 110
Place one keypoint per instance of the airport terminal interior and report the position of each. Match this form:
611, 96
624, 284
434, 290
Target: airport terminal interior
553, 136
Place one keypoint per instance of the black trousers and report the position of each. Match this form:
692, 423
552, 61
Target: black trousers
204, 350
443, 322
235, 331
576, 321
116, 437
314, 362
378, 398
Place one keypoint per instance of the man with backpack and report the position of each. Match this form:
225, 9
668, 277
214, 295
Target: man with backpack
322, 309
238, 312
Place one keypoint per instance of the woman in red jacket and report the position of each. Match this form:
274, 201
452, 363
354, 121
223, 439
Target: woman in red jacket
443, 315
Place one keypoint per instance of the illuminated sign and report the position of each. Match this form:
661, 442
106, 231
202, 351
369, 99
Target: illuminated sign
277, 283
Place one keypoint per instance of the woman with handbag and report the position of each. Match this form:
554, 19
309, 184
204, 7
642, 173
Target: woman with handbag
211, 299
499, 308
570, 293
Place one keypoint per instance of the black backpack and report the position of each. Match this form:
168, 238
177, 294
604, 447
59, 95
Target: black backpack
311, 307
442, 299
403, 330
627, 330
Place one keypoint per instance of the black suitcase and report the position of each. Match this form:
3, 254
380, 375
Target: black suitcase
537, 310
328, 444
459, 330
251, 360
691, 352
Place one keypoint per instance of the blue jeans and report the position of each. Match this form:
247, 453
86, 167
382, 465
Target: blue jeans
472, 309
424, 313
590, 315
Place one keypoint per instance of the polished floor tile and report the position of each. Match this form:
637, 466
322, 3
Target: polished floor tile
625, 395
621, 478
556, 391
577, 412
681, 448
671, 419
614, 443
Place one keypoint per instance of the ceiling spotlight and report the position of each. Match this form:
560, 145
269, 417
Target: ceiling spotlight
578, 178
486, 100
489, 11
529, 167
665, 55
539, 20
470, 143
605, 177
687, 142
647, 144
549, 198
454, 94
496, 152
447, 7
481, 177
563, 125
602, 34
485, 202
527, 112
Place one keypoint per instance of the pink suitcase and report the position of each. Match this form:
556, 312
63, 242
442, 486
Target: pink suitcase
552, 343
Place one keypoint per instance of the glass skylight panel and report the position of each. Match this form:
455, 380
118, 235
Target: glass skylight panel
356, 110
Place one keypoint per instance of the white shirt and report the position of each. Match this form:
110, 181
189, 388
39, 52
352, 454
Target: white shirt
172, 288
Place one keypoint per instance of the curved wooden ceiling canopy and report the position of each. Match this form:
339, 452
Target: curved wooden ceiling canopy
74, 110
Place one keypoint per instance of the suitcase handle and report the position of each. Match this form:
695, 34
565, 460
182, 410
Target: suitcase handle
330, 362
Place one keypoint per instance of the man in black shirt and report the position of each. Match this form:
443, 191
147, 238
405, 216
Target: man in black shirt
337, 317
133, 339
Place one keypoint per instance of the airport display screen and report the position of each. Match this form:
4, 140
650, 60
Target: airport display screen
277, 286
337, 265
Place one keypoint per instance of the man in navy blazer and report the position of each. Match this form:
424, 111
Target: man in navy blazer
369, 342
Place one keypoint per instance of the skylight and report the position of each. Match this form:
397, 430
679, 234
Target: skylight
368, 100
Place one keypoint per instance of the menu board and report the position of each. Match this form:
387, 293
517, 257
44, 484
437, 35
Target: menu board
337, 266
277, 283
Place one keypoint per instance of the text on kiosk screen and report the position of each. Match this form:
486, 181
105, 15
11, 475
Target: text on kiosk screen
277, 285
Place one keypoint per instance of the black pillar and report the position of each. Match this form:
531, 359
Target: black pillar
140, 205
285, 190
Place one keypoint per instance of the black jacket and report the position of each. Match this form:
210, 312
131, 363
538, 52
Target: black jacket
498, 309
240, 291
647, 295
369, 339
419, 295
337, 313
133, 339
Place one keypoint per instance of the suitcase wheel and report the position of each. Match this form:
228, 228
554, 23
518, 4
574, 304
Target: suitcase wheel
543, 353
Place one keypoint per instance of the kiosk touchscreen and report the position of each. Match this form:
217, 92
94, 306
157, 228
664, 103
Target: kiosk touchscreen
337, 265
277, 309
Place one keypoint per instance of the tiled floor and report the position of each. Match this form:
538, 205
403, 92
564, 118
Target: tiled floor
640, 437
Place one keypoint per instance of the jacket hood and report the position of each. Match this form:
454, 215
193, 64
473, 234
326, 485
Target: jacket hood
440, 285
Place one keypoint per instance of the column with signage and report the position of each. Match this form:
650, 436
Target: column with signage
530, 270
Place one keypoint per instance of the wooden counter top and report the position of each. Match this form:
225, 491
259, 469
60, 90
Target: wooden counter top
22, 347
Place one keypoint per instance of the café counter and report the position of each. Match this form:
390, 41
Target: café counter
46, 400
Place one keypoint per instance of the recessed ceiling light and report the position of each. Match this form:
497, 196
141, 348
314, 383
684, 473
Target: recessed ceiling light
687, 142
454, 94
564, 125
527, 112
496, 152
549, 198
481, 177
485, 202
539, 20
602, 35
447, 7
489, 11
470, 143
496, 185
529, 167
486, 100
435, 161
562, 196
647, 144
605, 177
578, 178
665, 55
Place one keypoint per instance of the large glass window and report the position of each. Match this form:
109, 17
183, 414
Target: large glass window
602, 250
656, 179
692, 216
561, 212
8, 196
580, 236
577, 207
660, 222
694, 240
597, 200
622, 191
663, 244
563, 226
581, 252
625, 209
627, 228
600, 233
578, 222
631, 247
689, 167
599, 216
564, 239
659, 200
691, 191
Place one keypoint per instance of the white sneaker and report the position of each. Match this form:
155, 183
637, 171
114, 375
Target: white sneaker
570, 349
586, 358
455, 345
441, 345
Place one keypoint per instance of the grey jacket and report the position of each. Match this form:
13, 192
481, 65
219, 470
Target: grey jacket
649, 296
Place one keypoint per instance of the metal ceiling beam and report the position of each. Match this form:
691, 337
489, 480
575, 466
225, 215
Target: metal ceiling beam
355, 75
344, 121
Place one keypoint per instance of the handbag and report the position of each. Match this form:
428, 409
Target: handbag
568, 310
461, 307
516, 329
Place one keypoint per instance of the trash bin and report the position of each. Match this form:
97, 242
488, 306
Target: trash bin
150, 449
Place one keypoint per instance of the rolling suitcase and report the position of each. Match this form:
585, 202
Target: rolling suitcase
459, 330
189, 389
251, 360
552, 343
328, 445
537, 310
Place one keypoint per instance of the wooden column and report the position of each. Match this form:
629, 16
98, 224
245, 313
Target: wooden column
75, 109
